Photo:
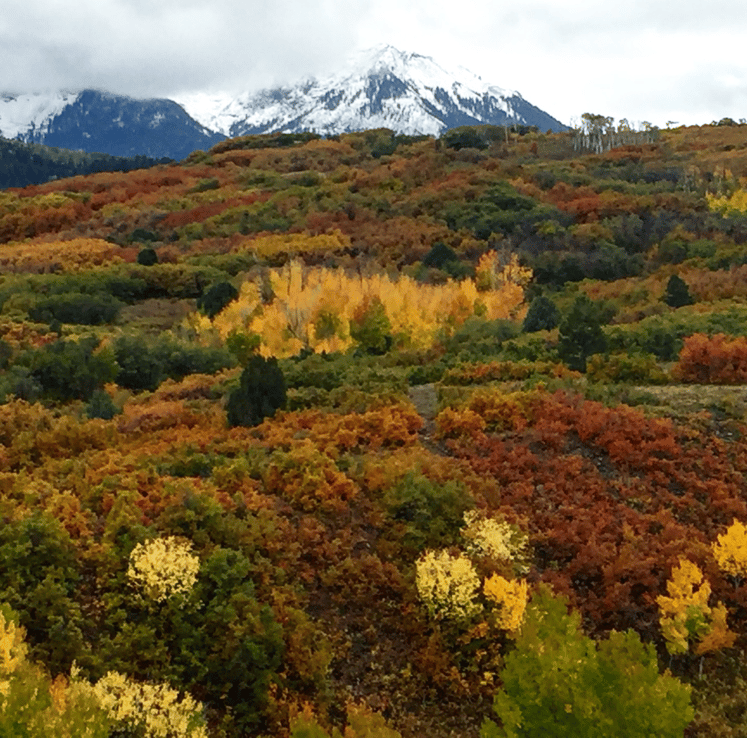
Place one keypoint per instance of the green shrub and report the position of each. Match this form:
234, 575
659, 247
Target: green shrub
139, 367
633, 368
145, 362
77, 309
426, 373
557, 682
204, 185
69, 370
478, 338
677, 293
18, 382
653, 336
580, 333
231, 647
445, 258
6, 354
370, 327
499, 209
147, 257
431, 514
102, 406
323, 371
141, 235
39, 579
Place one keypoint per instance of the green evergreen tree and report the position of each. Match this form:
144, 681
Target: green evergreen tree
542, 315
557, 682
101, 405
677, 293
147, 256
216, 298
260, 393
580, 333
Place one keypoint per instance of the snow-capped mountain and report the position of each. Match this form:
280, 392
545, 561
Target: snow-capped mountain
380, 88
95, 121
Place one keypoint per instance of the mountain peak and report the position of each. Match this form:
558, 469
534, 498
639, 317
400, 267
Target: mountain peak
384, 57
381, 87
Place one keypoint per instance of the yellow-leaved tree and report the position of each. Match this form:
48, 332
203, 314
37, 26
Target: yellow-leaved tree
495, 539
448, 585
32, 704
163, 567
511, 596
730, 551
685, 615
156, 709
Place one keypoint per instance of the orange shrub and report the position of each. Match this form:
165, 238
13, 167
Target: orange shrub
454, 423
717, 359
308, 478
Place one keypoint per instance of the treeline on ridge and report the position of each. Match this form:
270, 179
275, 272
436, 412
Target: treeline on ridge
23, 164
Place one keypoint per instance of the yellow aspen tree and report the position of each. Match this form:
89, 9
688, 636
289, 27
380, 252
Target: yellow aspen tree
447, 584
512, 597
685, 615
495, 539
730, 550
163, 567
159, 710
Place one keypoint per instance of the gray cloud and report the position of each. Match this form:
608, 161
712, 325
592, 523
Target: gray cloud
642, 59
149, 48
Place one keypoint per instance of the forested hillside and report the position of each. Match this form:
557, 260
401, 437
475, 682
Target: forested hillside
379, 435
23, 164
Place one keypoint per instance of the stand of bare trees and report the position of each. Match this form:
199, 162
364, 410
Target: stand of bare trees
598, 133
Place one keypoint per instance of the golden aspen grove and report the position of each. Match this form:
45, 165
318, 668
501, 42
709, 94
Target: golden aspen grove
379, 435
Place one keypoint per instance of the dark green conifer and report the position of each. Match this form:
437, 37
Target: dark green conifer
260, 393
147, 256
542, 315
677, 293
580, 333
216, 298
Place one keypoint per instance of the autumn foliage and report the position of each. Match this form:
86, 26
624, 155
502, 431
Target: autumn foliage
717, 359
309, 471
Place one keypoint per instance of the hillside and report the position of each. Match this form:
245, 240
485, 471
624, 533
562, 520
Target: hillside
358, 433
24, 164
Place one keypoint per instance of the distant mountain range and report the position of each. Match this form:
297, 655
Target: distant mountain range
380, 88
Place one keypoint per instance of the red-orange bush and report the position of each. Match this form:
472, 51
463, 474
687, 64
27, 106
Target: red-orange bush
718, 359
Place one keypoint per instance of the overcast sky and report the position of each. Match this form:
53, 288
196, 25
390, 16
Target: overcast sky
654, 60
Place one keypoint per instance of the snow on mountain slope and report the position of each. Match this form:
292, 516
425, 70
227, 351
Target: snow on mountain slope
21, 115
381, 87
